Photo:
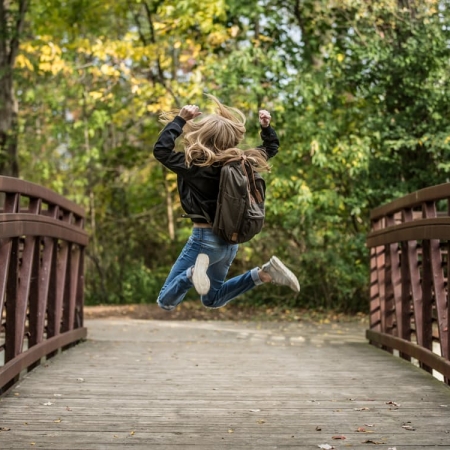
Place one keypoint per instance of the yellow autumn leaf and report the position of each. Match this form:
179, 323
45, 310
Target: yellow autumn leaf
45, 67
23, 62
96, 95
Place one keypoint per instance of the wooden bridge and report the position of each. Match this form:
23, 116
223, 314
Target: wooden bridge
221, 385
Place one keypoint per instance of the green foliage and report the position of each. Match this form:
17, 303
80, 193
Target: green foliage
358, 91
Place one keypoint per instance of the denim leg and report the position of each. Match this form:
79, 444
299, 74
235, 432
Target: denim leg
177, 283
222, 293
221, 255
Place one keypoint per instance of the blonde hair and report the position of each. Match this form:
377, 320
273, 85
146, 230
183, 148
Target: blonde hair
214, 138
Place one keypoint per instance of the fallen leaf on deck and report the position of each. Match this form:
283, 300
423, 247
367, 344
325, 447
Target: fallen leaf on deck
408, 427
5, 429
362, 409
318, 428
230, 431
255, 410
326, 446
393, 404
338, 437
132, 433
57, 421
261, 421
369, 441
363, 430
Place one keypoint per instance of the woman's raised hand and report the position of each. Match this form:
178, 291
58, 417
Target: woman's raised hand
189, 112
264, 118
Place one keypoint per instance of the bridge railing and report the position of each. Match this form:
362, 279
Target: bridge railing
42, 244
410, 266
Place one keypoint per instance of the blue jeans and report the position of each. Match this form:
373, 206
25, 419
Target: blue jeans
221, 255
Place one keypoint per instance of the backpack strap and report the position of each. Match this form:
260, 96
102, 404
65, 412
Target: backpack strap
198, 216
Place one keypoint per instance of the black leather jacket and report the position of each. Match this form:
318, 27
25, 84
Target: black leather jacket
199, 186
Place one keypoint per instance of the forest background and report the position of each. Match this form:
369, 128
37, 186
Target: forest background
358, 91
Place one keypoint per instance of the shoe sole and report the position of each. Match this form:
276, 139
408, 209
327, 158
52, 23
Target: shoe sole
294, 284
199, 277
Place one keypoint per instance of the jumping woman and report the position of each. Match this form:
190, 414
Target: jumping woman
210, 141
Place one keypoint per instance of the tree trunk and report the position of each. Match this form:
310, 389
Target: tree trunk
11, 25
8, 125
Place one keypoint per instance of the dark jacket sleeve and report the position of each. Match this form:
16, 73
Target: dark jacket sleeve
165, 145
270, 140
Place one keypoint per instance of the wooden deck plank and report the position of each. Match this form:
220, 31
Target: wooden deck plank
214, 385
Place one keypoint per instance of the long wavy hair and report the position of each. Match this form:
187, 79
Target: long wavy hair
213, 138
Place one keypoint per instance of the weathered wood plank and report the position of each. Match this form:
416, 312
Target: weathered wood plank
219, 385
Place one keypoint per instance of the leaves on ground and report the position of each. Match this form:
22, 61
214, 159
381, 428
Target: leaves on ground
363, 430
396, 405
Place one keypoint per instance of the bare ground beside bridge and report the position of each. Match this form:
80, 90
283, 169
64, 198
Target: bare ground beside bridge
195, 311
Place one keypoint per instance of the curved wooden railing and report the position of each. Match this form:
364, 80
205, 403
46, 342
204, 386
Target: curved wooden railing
410, 266
42, 244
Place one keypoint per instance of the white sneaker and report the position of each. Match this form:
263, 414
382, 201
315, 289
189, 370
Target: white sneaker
280, 274
199, 277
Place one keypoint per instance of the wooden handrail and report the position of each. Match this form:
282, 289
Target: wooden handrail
410, 265
31, 190
413, 200
42, 244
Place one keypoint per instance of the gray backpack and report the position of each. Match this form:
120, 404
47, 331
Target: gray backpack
240, 204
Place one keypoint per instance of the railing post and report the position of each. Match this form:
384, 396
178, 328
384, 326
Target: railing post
11, 328
375, 307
